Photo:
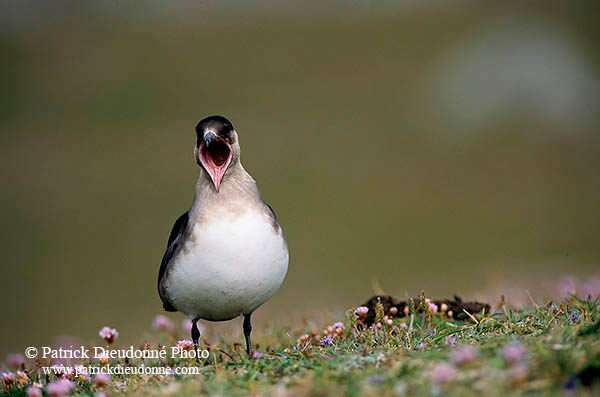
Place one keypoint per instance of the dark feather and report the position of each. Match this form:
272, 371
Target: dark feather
175, 239
274, 220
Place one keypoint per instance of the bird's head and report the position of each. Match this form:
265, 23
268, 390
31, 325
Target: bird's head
217, 147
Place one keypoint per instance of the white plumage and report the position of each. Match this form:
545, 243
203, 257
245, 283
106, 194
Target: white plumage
229, 266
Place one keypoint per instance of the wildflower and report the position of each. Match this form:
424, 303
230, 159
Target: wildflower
421, 346
8, 377
101, 380
406, 310
433, 307
450, 314
104, 359
339, 328
393, 311
304, 338
108, 334
60, 388
22, 378
451, 340
257, 355
187, 326
326, 340
362, 311
34, 392
82, 372
162, 323
303, 341
513, 353
444, 307
574, 317
185, 344
443, 373
389, 322
15, 361
464, 355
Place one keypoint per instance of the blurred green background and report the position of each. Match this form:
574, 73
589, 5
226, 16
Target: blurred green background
421, 145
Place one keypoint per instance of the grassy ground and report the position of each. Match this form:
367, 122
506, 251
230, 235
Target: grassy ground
549, 349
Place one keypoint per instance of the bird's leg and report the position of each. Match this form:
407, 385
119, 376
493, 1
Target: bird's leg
195, 337
247, 330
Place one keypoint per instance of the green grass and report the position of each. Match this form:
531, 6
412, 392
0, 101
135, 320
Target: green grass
557, 341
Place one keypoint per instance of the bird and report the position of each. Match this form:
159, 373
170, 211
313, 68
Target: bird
227, 254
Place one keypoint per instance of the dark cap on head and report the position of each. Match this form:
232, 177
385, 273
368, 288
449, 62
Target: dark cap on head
219, 125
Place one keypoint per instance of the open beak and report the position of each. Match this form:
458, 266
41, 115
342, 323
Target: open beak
215, 156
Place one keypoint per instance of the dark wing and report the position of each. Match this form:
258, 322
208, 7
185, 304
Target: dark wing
175, 239
274, 220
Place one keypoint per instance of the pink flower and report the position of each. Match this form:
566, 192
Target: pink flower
464, 355
15, 361
34, 392
361, 311
8, 377
433, 307
162, 323
103, 358
81, 372
22, 378
185, 344
62, 371
101, 380
108, 334
513, 353
339, 328
60, 388
443, 373
187, 326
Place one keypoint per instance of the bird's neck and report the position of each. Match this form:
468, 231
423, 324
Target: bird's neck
237, 188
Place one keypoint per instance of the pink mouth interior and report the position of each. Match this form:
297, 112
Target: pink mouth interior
216, 154
215, 158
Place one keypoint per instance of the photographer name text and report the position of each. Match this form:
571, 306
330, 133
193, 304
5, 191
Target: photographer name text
99, 352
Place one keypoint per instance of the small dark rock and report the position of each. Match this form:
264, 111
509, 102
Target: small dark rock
456, 305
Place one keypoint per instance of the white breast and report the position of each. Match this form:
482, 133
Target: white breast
228, 267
